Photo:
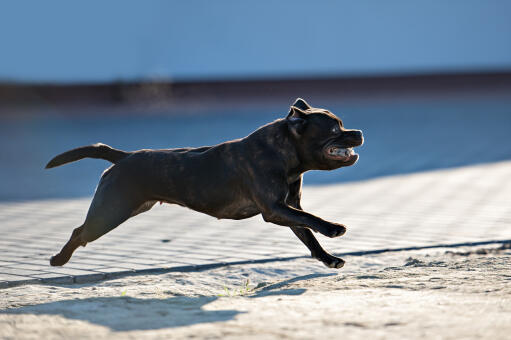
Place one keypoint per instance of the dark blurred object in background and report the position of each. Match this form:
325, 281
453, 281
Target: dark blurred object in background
160, 51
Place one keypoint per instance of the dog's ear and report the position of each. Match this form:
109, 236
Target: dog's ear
296, 121
301, 104
296, 112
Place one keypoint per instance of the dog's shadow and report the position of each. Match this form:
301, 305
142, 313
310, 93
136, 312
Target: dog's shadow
124, 313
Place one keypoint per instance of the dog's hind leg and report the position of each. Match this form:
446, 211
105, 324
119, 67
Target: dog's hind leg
65, 254
114, 202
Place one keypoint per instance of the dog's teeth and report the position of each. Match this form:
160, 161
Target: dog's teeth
345, 152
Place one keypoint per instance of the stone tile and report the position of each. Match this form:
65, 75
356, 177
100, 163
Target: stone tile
108, 270
89, 278
67, 271
421, 209
12, 277
135, 266
46, 277
18, 272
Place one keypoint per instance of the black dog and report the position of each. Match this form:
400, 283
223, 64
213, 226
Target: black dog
258, 174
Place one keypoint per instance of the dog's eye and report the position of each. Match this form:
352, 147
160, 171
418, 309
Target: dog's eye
335, 129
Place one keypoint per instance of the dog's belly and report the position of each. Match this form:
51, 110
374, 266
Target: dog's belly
237, 210
230, 209
219, 204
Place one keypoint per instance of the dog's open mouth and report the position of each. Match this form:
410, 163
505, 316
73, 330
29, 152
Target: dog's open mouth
339, 153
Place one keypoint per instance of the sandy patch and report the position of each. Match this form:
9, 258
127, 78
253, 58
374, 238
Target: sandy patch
454, 293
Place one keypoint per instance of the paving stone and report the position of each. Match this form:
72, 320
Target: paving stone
466, 204
89, 278
45, 277
135, 266
7, 280
18, 272
110, 270
57, 279
69, 271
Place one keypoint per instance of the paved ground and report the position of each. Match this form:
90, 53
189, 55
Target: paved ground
432, 172
469, 204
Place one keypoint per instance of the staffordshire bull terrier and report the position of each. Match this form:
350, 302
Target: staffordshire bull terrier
258, 174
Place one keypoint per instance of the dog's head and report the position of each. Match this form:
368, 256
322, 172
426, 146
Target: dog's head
320, 137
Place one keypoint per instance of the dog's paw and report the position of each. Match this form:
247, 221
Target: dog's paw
332, 261
58, 260
335, 230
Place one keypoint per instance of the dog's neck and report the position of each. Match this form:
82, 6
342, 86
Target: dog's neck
283, 143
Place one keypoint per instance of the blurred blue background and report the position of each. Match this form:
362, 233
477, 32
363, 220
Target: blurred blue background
105, 41
429, 83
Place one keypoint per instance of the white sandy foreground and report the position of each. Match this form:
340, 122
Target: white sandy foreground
420, 294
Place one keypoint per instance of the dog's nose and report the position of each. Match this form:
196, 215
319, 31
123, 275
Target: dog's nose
358, 136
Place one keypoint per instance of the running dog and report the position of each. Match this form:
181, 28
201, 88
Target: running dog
258, 174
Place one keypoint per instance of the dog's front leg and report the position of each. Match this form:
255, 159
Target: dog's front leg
282, 214
270, 197
306, 236
317, 252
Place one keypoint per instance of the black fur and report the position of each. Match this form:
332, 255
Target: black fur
258, 174
98, 150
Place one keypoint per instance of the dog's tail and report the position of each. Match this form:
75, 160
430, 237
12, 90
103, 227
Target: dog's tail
98, 150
